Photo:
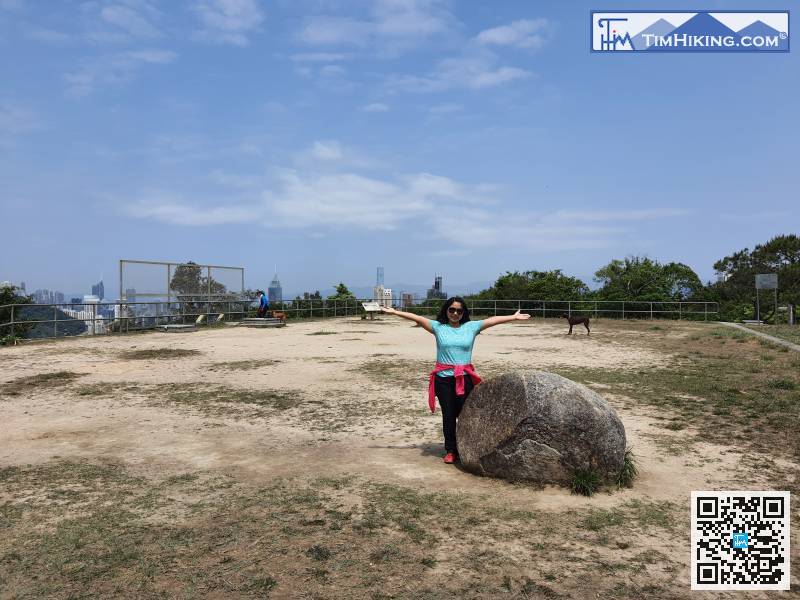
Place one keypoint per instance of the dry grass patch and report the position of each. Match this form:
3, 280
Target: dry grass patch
220, 400
97, 530
243, 365
157, 354
41, 381
721, 383
402, 372
790, 333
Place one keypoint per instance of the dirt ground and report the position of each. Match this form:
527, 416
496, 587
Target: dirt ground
345, 401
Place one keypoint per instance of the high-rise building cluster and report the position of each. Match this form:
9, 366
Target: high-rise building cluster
436, 291
48, 297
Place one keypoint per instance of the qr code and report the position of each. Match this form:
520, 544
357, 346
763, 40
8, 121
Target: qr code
740, 540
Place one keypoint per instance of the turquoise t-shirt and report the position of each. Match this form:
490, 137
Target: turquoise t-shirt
454, 344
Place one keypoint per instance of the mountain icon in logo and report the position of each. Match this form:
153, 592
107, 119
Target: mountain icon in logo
759, 28
660, 28
702, 24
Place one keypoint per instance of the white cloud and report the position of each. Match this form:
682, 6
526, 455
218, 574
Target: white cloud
328, 30
416, 18
526, 33
113, 69
119, 21
390, 25
16, 120
481, 229
461, 216
330, 150
471, 72
328, 154
319, 57
375, 107
343, 200
444, 109
131, 20
332, 71
228, 21
161, 57
617, 215
171, 149
174, 209
556, 230
49, 36
323, 193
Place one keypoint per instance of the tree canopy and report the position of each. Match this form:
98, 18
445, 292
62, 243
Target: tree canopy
735, 290
189, 280
645, 279
10, 294
535, 285
342, 293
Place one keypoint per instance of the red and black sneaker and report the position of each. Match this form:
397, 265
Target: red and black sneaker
449, 458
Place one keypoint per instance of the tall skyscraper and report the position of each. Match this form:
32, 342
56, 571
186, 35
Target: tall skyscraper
379, 278
436, 291
98, 290
275, 291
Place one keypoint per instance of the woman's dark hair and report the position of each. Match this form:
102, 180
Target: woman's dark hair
442, 316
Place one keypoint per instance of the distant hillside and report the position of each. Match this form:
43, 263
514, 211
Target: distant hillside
66, 325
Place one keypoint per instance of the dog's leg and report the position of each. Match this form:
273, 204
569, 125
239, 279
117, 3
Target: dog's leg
588, 331
570, 329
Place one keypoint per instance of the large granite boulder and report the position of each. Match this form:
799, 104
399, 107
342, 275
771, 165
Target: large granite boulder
539, 426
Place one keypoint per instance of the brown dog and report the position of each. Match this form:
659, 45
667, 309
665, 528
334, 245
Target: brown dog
576, 321
276, 314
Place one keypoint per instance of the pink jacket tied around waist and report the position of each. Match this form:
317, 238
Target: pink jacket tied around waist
458, 371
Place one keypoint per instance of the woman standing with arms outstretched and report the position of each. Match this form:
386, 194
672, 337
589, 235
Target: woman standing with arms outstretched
454, 377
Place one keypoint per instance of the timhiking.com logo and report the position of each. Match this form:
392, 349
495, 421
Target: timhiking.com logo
690, 31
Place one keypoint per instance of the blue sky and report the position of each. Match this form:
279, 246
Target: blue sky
330, 137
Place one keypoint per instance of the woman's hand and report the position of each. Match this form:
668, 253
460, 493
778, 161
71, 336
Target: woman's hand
388, 310
519, 316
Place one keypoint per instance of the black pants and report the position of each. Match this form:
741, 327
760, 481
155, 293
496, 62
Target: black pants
451, 407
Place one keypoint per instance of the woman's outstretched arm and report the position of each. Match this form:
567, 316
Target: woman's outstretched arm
492, 321
419, 320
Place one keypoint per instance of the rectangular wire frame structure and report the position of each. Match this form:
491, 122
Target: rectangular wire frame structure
156, 281
154, 289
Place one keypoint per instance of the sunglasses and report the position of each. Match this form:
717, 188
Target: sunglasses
455, 311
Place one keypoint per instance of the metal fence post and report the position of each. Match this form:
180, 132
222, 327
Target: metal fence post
12, 320
705, 311
651, 311
623, 309
55, 323
569, 307
680, 310
595, 309
495, 308
544, 309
